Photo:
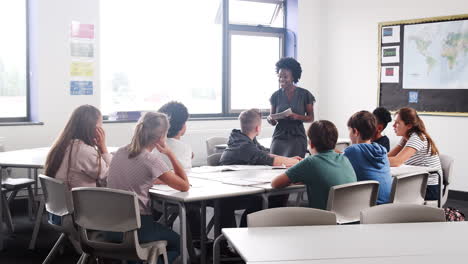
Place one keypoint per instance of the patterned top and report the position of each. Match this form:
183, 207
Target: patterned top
423, 157
87, 169
137, 174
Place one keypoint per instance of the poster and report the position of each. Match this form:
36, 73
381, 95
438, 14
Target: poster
391, 34
81, 87
390, 74
391, 54
83, 69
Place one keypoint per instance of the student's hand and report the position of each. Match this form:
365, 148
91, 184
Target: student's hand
100, 140
290, 162
297, 157
158, 181
162, 147
271, 121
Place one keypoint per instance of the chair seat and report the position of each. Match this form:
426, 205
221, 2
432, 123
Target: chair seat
17, 183
431, 203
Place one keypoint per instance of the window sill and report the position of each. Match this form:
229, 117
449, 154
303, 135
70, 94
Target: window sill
29, 123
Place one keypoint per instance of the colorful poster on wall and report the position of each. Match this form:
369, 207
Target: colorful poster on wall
84, 69
391, 54
391, 34
80, 30
81, 49
390, 74
81, 88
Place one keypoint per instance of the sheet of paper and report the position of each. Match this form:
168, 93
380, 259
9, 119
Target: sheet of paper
281, 115
390, 74
391, 54
391, 34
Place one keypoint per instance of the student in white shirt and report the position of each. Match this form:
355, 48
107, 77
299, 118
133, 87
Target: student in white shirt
416, 148
178, 115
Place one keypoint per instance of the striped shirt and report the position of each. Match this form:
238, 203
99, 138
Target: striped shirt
422, 157
136, 174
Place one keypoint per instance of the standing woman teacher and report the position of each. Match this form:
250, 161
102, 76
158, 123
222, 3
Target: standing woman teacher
289, 137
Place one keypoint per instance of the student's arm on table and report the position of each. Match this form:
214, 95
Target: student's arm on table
288, 162
395, 151
280, 181
402, 156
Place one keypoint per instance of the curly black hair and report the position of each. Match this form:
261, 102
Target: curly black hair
291, 64
178, 115
383, 116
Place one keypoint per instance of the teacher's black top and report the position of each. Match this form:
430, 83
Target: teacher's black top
289, 138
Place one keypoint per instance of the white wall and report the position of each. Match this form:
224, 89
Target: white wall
346, 75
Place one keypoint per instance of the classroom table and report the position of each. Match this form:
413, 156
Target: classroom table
299, 243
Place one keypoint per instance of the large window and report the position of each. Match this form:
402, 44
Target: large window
13, 61
208, 54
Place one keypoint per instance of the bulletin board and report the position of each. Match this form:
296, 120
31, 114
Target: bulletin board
423, 64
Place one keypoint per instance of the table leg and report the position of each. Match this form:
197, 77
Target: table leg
217, 228
183, 232
36, 182
37, 224
1, 211
203, 231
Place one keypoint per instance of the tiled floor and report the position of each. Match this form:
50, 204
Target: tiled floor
16, 245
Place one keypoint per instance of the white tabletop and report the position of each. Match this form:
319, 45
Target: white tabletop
204, 190
25, 158
417, 259
348, 241
407, 169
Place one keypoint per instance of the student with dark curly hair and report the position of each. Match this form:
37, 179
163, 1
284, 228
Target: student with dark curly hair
178, 116
383, 117
289, 137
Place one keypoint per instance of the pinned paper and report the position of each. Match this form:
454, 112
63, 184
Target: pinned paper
413, 97
390, 74
79, 30
82, 49
85, 69
391, 34
81, 87
391, 54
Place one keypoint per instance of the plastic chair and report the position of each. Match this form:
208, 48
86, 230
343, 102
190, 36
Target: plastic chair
212, 142
447, 171
348, 200
213, 159
409, 188
58, 201
401, 213
6, 211
108, 210
290, 216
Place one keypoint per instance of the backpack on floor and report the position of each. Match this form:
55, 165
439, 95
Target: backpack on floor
452, 214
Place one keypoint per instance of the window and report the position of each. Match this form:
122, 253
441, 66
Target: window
13, 61
202, 54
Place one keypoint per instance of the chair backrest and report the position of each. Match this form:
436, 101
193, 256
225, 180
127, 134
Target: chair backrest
291, 216
57, 197
401, 213
104, 209
213, 159
409, 188
447, 170
348, 200
212, 142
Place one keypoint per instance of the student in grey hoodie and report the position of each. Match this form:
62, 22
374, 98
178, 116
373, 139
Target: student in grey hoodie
369, 160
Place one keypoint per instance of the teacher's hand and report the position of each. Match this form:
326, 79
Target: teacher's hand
295, 116
271, 121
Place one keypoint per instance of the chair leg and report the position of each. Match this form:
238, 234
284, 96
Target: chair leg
7, 216
12, 196
37, 224
216, 248
31, 204
54, 249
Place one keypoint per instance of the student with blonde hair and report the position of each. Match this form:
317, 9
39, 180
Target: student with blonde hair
416, 148
135, 168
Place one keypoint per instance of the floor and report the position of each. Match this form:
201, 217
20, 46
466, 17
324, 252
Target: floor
16, 245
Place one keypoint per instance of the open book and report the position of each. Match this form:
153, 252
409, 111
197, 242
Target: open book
281, 115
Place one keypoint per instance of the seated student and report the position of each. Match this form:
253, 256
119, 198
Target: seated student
383, 118
243, 147
416, 148
369, 160
134, 168
178, 115
79, 156
321, 171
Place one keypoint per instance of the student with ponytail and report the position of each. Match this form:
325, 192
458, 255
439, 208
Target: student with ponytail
135, 168
416, 148
79, 156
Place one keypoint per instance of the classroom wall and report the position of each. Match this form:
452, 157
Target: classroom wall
346, 75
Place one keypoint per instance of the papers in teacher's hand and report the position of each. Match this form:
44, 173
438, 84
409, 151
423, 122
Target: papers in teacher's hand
281, 115
206, 169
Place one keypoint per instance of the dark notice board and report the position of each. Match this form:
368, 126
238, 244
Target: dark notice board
427, 100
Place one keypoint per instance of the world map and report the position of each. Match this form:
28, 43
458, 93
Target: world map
435, 55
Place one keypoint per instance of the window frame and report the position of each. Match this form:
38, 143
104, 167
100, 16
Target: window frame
27, 118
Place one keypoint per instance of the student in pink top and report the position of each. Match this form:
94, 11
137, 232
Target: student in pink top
79, 156
135, 168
